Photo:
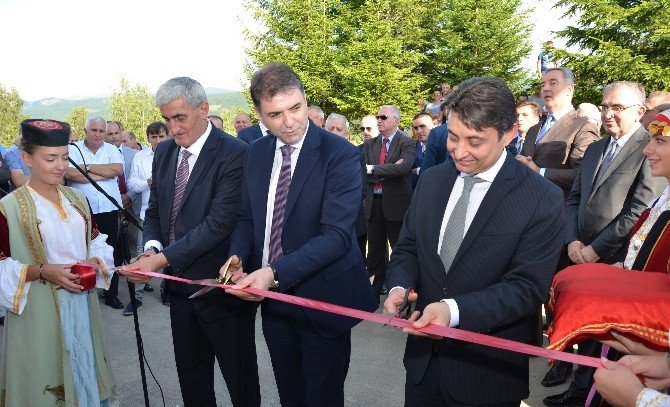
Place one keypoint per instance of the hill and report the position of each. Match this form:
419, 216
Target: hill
58, 109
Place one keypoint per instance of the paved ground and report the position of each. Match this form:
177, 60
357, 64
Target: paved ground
376, 374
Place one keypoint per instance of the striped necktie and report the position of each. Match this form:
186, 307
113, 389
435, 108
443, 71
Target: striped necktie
179, 186
275, 251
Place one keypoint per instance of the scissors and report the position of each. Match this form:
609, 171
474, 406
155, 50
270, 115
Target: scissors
407, 306
224, 278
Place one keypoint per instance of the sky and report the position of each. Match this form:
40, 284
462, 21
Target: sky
73, 49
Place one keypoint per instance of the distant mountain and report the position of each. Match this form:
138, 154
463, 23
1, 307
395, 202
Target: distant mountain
58, 109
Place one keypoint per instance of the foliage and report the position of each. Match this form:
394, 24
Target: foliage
10, 115
134, 107
620, 40
355, 55
77, 120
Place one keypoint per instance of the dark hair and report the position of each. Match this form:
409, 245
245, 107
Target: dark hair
156, 127
420, 114
532, 105
272, 79
213, 116
483, 102
27, 146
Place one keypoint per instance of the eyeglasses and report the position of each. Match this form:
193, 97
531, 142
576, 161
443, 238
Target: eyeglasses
382, 117
362, 129
615, 108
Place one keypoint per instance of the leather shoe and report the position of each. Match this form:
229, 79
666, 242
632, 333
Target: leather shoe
569, 398
148, 288
114, 302
558, 374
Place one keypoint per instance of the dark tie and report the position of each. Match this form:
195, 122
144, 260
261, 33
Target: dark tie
275, 251
179, 186
382, 160
545, 128
455, 229
609, 156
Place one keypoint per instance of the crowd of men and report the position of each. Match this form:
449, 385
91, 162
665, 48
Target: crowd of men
480, 202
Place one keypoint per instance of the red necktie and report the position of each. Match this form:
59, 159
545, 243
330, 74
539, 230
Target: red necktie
382, 159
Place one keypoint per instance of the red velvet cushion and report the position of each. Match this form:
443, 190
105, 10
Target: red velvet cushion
589, 300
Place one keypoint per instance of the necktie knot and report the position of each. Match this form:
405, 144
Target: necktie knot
185, 154
286, 150
470, 182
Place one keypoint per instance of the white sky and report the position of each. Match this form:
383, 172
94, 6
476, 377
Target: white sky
79, 48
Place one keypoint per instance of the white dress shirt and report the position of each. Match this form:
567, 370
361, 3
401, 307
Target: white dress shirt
106, 154
477, 195
195, 150
140, 171
274, 179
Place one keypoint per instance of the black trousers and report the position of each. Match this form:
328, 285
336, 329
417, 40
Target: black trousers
108, 223
231, 340
432, 392
310, 369
381, 233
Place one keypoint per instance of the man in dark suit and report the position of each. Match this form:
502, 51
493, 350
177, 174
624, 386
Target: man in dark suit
422, 125
556, 147
613, 186
388, 158
301, 192
252, 133
187, 225
436, 147
479, 246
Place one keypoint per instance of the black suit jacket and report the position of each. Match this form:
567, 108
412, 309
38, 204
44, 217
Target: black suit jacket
436, 147
502, 273
205, 220
250, 134
397, 178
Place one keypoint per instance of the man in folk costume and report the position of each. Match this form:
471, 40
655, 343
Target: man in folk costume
53, 353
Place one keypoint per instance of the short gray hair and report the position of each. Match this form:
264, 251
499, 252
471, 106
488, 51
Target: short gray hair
319, 111
181, 87
394, 108
87, 126
636, 88
568, 76
337, 116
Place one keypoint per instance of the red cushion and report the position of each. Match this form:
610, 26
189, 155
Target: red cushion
590, 300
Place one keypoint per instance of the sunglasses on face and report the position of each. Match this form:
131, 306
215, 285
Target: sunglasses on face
382, 117
362, 129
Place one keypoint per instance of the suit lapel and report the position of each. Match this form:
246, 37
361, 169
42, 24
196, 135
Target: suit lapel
556, 130
171, 177
393, 147
631, 145
376, 150
308, 157
502, 183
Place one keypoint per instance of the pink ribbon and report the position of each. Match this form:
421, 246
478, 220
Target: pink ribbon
446, 332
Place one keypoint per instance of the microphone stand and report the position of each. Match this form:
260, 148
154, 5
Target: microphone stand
127, 216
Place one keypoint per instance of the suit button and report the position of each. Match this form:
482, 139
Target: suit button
445, 291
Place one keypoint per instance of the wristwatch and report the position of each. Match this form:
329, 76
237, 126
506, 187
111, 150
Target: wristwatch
275, 283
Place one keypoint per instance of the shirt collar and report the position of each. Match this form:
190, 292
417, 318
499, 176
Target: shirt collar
264, 130
490, 174
390, 138
623, 139
196, 147
560, 113
297, 145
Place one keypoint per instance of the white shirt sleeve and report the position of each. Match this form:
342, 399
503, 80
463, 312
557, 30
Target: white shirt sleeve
105, 254
134, 182
652, 398
455, 316
13, 285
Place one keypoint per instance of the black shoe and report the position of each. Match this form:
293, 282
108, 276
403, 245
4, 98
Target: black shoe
569, 398
129, 308
148, 288
558, 374
113, 302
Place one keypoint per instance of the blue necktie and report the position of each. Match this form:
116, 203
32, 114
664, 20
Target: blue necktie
545, 128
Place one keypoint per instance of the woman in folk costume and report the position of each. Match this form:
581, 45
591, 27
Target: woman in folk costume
52, 352
648, 250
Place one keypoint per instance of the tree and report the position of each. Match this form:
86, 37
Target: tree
134, 107
11, 105
356, 55
619, 40
77, 120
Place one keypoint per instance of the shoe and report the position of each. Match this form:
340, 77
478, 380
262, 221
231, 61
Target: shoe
129, 308
569, 398
148, 288
166, 300
113, 302
558, 374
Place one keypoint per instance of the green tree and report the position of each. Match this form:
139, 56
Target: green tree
77, 120
134, 107
619, 40
11, 105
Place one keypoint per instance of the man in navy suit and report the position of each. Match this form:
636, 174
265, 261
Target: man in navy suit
422, 125
301, 192
252, 133
187, 227
479, 245
436, 147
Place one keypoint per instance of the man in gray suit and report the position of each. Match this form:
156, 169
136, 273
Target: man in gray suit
388, 158
612, 188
